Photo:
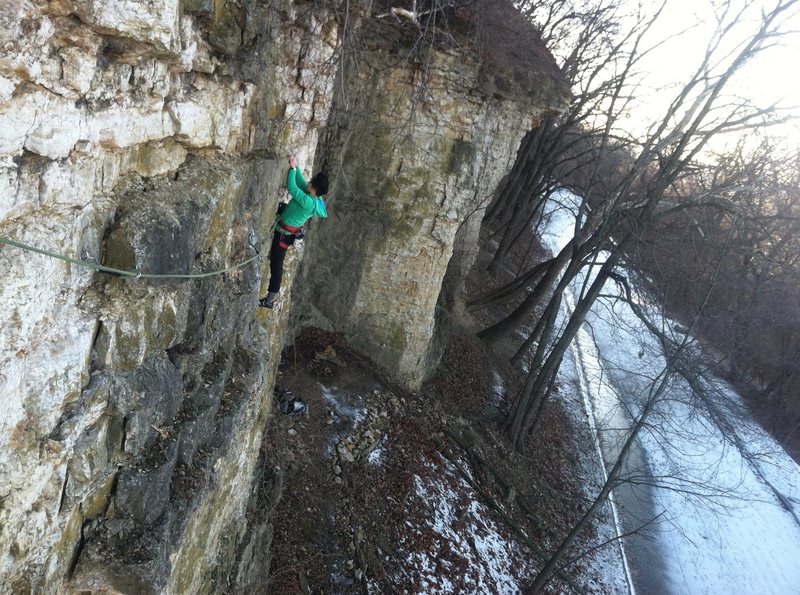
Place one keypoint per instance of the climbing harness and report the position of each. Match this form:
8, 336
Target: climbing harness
292, 233
89, 262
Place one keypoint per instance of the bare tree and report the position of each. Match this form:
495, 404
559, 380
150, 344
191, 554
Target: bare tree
695, 115
679, 357
752, 316
587, 40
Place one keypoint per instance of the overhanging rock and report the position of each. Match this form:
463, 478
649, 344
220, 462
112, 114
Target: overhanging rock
425, 123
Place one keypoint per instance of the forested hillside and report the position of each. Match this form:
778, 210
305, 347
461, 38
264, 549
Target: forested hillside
731, 258
702, 199
692, 205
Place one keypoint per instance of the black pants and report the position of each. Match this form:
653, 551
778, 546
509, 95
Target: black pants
276, 256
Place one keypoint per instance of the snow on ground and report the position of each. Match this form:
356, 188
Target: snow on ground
377, 454
342, 406
490, 561
724, 529
766, 457
609, 562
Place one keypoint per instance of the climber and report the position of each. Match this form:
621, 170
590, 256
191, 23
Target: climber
306, 202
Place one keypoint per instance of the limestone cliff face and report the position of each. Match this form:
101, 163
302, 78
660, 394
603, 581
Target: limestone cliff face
426, 121
150, 135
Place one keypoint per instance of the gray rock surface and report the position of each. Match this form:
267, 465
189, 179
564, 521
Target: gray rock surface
418, 140
151, 136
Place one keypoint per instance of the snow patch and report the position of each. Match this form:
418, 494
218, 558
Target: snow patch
376, 456
343, 406
723, 491
488, 555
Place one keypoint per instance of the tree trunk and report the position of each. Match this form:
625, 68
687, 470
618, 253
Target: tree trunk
551, 566
525, 309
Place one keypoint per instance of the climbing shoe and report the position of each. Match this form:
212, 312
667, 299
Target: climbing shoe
269, 301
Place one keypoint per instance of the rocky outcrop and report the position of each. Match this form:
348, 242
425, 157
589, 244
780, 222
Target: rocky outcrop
427, 118
149, 136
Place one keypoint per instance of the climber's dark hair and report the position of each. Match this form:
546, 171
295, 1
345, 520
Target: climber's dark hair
320, 183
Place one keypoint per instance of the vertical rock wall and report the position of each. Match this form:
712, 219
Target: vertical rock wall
149, 135
423, 129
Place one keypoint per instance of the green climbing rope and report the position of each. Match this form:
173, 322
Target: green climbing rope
95, 266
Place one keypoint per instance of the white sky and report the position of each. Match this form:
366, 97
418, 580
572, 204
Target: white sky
769, 78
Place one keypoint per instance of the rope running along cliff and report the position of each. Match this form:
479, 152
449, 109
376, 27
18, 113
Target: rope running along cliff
95, 266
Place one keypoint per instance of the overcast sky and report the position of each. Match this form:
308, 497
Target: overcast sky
771, 77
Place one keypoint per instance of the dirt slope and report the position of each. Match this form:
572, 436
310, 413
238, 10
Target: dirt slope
387, 491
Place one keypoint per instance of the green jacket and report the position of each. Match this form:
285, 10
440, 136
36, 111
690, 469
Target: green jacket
302, 206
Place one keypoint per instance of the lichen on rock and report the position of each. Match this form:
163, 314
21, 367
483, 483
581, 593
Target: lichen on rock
421, 136
151, 137
133, 409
